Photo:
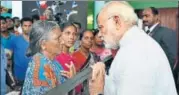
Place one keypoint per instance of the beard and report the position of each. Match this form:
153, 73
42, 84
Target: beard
111, 46
111, 43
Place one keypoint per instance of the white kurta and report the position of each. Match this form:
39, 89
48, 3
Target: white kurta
139, 68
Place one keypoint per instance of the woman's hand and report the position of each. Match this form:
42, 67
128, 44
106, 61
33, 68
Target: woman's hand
98, 68
98, 75
71, 72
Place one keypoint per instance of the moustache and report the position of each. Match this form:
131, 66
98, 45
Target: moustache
145, 21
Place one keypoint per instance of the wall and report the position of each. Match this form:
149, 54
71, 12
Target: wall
81, 16
17, 9
168, 17
154, 3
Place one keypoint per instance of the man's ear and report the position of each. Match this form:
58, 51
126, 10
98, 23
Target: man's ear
157, 18
117, 21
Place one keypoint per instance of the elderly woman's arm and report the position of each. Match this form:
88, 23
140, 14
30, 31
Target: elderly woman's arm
96, 84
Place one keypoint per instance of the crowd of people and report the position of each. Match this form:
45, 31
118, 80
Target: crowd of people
41, 54
33, 47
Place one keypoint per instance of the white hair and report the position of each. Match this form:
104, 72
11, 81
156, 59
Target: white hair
124, 10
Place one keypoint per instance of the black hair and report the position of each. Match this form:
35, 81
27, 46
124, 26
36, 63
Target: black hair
77, 23
7, 17
95, 32
139, 13
26, 19
2, 18
35, 17
67, 24
154, 11
13, 19
82, 34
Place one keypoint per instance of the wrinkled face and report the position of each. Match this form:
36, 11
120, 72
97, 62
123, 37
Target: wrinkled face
26, 26
149, 18
10, 23
69, 36
87, 40
98, 40
109, 32
3, 26
52, 45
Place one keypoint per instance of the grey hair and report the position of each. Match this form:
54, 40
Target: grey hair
125, 10
39, 32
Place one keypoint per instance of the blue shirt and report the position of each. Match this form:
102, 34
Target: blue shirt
42, 75
3, 73
5, 41
18, 45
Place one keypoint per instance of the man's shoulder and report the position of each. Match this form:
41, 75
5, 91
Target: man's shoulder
164, 29
166, 32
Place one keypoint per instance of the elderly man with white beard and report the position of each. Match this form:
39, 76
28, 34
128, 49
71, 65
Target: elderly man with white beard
140, 66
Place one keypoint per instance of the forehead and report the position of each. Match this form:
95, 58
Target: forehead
16, 19
88, 34
147, 11
69, 29
27, 23
101, 17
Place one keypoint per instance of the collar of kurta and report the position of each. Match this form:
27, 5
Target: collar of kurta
128, 35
